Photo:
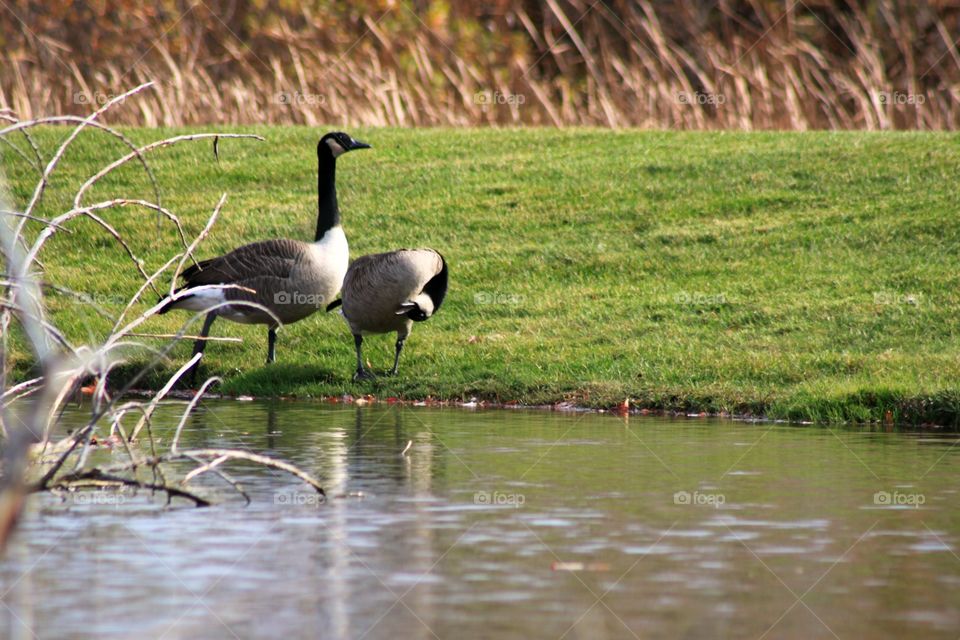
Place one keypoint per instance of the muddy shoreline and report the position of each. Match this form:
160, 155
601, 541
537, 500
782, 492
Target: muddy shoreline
624, 410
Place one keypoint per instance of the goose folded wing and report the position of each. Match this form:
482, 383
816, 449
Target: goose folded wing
369, 272
262, 290
271, 258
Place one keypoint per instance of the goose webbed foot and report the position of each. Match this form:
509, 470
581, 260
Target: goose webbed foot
363, 374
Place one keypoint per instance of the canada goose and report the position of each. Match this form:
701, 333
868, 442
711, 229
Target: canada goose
292, 278
389, 292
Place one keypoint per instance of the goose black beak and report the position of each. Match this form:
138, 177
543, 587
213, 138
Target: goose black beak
356, 144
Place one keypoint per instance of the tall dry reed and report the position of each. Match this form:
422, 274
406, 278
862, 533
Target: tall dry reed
741, 64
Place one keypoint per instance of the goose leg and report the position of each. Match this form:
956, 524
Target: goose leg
271, 345
200, 345
361, 374
396, 358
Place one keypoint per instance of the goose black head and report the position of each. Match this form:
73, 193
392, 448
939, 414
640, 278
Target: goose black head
417, 314
418, 309
336, 143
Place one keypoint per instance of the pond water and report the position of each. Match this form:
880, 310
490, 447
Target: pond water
509, 524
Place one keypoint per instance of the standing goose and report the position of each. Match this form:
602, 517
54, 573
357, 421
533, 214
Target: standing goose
292, 278
386, 292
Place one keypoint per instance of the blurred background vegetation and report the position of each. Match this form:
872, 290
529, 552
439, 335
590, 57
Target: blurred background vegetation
744, 64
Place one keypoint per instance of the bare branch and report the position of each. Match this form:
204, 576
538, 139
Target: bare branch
44, 179
189, 409
97, 478
232, 454
193, 245
24, 126
151, 407
185, 337
150, 147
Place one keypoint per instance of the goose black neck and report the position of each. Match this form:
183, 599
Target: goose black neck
328, 214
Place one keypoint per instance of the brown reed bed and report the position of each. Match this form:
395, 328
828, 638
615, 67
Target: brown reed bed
738, 64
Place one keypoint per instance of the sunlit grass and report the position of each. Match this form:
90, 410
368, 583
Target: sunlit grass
810, 276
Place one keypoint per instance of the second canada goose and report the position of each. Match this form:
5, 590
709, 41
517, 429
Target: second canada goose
386, 292
291, 278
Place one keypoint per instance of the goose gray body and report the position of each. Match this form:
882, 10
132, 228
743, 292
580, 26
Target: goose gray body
387, 292
291, 278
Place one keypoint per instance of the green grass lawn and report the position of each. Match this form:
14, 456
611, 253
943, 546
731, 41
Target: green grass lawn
795, 275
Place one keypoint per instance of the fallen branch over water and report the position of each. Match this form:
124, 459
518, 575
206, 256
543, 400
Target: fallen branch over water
34, 459
96, 479
209, 459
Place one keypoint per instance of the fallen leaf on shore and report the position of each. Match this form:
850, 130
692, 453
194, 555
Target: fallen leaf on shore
109, 442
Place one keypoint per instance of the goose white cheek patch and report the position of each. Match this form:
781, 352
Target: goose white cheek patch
335, 147
425, 303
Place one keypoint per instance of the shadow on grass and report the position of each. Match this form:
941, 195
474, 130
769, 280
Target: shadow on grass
266, 380
282, 379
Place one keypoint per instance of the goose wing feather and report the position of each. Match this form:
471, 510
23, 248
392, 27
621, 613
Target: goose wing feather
378, 285
270, 258
398, 275
269, 291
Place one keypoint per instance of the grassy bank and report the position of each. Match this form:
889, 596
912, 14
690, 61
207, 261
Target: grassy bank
805, 276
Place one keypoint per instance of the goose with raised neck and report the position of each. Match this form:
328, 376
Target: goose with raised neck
278, 281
